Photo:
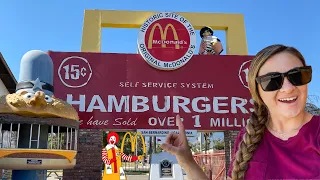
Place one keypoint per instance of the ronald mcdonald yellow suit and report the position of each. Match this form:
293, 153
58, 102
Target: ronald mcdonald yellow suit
111, 156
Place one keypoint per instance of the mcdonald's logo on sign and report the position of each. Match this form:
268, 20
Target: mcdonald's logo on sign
163, 36
166, 41
133, 141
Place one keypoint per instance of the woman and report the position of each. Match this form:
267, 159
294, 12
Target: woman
281, 140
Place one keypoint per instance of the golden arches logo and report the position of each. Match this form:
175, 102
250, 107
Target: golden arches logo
134, 141
163, 35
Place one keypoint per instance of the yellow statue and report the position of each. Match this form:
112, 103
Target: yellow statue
111, 156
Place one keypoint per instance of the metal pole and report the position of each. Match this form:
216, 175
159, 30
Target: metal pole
51, 135
1, 135
76, 140
30, 136
71, 139
58, 146
136, 166
10, 135
18, 133
39, 129
67, 145
200, 142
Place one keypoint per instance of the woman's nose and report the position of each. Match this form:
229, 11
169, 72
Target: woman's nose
287, 86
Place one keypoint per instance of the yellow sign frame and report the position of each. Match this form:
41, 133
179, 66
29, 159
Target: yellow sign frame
95, 20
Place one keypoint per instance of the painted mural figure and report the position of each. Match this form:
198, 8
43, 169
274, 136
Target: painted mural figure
111, 156
210, 44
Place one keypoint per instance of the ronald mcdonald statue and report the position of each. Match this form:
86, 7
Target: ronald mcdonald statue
111, 156
210, 44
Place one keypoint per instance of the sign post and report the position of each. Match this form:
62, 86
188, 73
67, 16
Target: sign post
164, 166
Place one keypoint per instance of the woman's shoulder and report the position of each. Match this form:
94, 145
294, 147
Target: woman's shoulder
317, 117
317, 123
311, 129
314, 123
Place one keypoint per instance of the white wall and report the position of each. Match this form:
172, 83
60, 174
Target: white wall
3, 89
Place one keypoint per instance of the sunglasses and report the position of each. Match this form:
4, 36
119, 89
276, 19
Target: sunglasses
297, 76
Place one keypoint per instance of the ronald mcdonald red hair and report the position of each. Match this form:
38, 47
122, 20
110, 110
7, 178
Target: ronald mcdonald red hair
113, 134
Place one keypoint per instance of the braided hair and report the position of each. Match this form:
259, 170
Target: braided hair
256, 126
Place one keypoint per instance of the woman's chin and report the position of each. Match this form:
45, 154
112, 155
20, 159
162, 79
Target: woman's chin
290, 112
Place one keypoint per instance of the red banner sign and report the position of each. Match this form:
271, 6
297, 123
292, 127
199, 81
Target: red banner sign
121, 91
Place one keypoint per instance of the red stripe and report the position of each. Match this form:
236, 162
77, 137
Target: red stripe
115, 162
126, 157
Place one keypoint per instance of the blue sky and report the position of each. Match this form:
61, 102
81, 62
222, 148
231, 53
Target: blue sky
57, 25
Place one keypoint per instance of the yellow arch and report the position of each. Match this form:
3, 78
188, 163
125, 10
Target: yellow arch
133, 141
94, 20
163, 35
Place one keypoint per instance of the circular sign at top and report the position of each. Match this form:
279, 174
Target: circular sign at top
166, 41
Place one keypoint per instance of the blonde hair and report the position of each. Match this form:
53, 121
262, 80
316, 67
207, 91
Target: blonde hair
257, 123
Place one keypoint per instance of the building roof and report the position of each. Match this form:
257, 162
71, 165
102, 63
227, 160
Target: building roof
6, 75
